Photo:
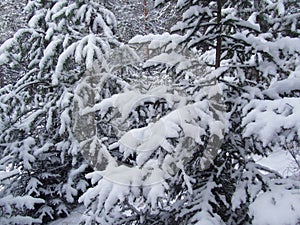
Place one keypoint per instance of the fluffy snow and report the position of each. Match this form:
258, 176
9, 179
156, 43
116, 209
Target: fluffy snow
19, 201
276, 208
169, 41
169, 59
279, 160
283, 86
261, 114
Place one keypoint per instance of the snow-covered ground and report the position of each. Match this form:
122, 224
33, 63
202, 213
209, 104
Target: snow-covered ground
72, 219
271, 208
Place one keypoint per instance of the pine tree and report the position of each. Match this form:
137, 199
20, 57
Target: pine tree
163, 149
245, 47
248, 43
147, 139
42, 170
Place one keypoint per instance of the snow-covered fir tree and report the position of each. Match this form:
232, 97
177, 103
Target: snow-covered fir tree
147, 138
42, 170
171, 136
254, 46
252, 50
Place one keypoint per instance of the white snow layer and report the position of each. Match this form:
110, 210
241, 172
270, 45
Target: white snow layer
276, 208
266, 119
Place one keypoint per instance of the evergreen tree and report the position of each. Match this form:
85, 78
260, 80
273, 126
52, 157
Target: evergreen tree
147, 140
42, 170
156, 132
248, 47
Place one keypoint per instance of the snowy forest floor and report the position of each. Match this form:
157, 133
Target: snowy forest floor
72, 219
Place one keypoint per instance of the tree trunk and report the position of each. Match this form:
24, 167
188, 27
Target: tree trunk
219, 38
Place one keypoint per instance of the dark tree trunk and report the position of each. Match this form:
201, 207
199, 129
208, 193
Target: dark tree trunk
219, 38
